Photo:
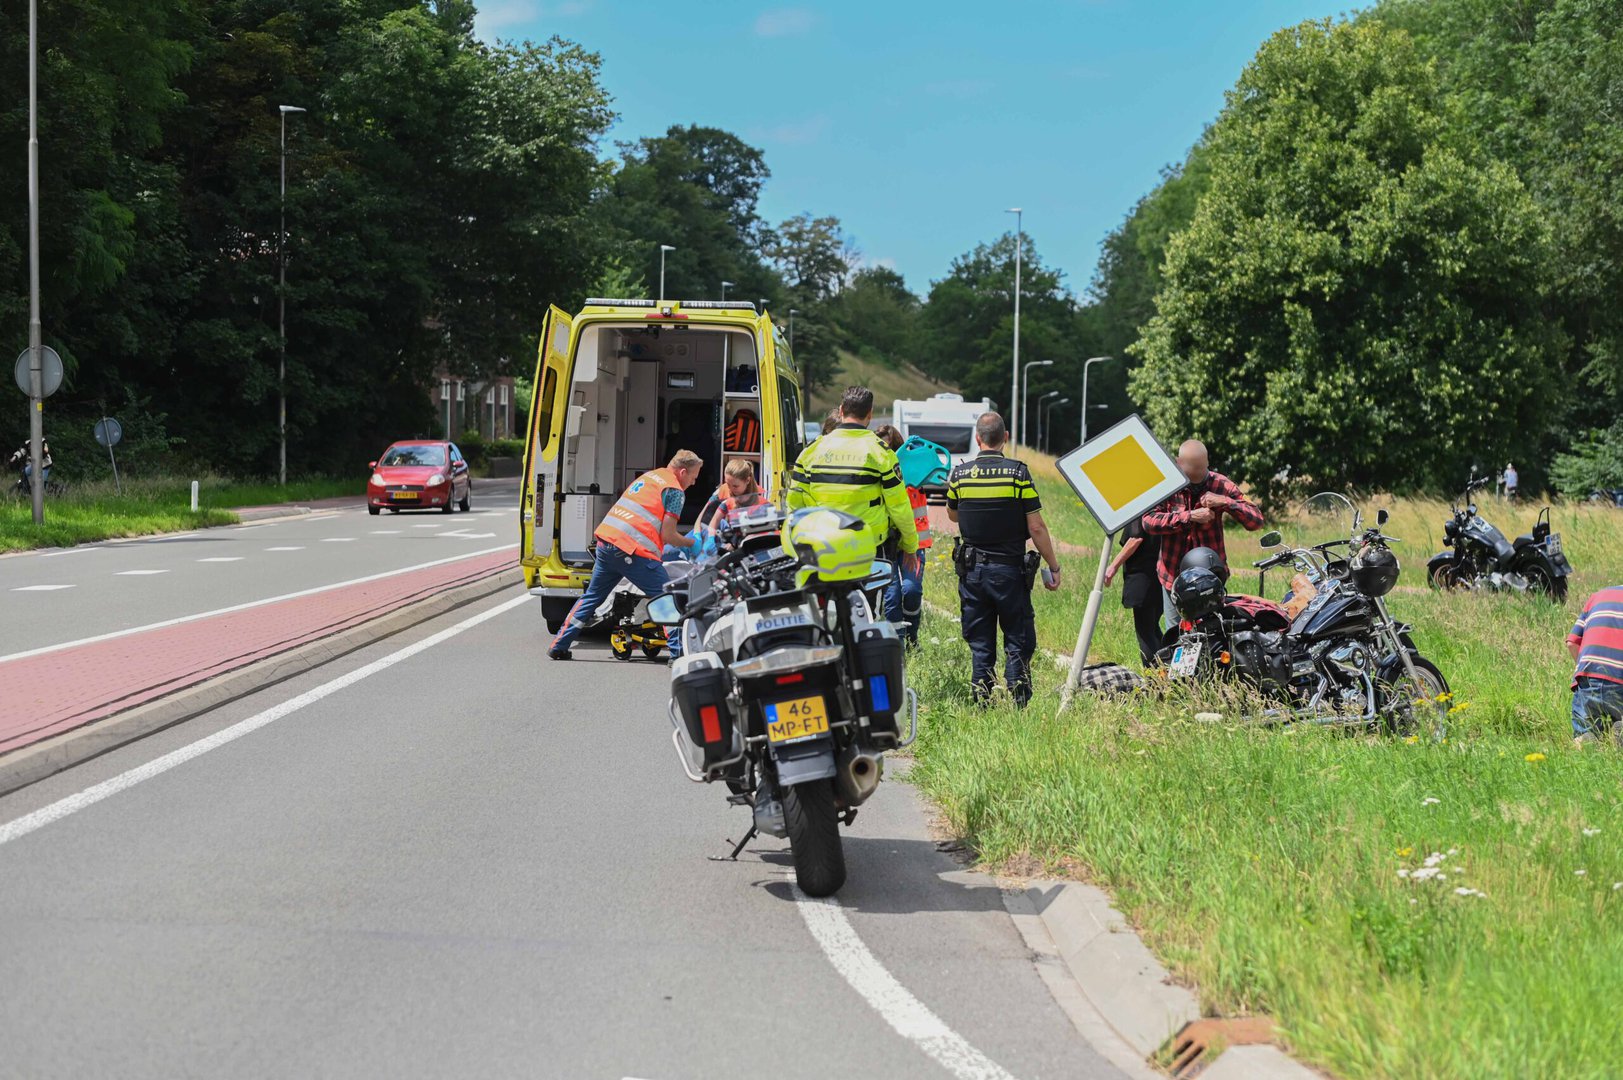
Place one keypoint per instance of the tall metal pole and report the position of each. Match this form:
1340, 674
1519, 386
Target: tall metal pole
281, 309
792, 313
1025, 399
1015, 412
36, 354
1090, 362
725, 285
663, 248
1044, 407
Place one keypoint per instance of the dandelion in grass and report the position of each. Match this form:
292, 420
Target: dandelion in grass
1444, 696
1405, 852
1430, 800
1459, 708
1534, 757
1412, 739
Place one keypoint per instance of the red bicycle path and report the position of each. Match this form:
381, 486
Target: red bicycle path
55, 692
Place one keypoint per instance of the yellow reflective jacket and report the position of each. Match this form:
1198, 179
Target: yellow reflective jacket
850, 469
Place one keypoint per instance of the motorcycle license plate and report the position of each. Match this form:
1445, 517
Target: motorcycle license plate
1184, 659
787, 721
1553, 546
404, 496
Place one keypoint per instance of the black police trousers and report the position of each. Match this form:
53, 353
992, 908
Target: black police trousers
990, 596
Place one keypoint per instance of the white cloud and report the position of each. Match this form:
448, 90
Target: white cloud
499, 15
794, 134
784, 22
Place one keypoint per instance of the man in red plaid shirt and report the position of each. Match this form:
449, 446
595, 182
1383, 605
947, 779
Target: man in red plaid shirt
1194, 518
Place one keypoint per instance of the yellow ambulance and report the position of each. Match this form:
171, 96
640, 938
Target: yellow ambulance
622, 385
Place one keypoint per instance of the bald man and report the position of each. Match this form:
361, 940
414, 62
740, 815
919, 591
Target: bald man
1194, 518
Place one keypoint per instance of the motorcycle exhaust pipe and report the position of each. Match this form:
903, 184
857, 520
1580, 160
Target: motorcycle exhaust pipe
856, 775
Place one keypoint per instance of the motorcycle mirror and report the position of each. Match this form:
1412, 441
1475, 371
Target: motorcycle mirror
1381, 516
1471, 509
663, 610
1272, 538
881, 572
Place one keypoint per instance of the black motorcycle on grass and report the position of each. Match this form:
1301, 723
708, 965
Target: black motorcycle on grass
1332, 655
1480, 556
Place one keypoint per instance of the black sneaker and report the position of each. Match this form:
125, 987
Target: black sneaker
557, 654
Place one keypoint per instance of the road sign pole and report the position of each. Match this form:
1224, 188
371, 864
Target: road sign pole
117, 485
1090, 619
36, 357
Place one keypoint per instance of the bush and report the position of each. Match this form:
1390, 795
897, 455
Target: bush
1595, 463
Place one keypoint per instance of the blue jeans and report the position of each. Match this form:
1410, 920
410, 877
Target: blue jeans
904, 601
1596, 705
613, 565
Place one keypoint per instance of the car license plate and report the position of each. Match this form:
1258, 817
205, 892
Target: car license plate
403, 496
787, 721
1184, 659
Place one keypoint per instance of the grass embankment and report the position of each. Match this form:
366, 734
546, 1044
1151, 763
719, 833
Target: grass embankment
1264, 865
90, 512
887, 383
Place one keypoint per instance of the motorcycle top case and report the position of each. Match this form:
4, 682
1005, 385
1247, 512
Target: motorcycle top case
878, 663
699, 688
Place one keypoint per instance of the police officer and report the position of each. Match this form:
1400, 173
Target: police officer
629, 541
850, 469
995, 505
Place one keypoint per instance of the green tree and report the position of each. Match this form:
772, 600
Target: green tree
878, 316
1355, 298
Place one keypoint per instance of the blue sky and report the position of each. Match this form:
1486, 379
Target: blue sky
918, 123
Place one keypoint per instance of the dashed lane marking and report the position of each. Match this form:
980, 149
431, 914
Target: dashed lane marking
289, 547
385, 532
40, 588
910, 1017
139, 573
222, 558
337, 539
20, 827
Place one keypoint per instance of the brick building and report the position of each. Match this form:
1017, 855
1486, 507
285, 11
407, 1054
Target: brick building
485, 405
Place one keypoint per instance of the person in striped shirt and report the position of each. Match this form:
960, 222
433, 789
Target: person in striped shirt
1596, 644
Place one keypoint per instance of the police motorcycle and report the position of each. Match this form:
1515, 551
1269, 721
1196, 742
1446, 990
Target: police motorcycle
790, 689
1480, 557
1332, 654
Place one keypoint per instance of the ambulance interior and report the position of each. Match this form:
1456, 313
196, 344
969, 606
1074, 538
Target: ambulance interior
639, 394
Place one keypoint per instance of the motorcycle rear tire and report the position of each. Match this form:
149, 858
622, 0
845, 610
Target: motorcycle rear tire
814, 837
1401, 721
1540, 580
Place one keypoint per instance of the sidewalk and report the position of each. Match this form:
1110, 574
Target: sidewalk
62, 690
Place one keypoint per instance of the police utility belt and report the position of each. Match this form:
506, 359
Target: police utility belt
965, 558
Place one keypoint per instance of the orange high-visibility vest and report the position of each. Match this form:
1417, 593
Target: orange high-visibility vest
634, 523
921, 516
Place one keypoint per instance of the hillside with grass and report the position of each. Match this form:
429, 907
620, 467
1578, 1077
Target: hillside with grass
887, 382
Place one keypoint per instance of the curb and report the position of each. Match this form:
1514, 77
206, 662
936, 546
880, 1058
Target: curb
53, 755
1126, 989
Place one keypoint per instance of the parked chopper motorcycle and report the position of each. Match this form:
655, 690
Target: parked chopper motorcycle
791, 687
1341, 659
1479, 556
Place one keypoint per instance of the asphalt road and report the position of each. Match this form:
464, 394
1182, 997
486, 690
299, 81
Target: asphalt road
67, 595
477, 862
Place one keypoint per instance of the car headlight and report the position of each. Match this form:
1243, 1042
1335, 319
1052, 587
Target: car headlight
436, 480
377, 478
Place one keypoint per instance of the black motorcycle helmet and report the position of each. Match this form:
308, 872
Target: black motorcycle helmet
1204, 558
1374, 570
1197, 592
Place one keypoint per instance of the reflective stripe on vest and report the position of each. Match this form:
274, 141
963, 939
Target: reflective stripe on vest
921, 516
634, 523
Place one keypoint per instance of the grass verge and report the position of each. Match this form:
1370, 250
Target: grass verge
1264, 865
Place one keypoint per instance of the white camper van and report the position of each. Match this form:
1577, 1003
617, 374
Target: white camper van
946, 419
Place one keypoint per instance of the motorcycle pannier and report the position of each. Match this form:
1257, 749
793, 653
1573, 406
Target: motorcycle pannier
701, 698
879, 665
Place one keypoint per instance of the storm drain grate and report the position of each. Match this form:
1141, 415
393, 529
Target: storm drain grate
1186, 1054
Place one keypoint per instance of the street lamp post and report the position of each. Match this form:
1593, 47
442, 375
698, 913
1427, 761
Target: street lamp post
1025, 399
1090, 362
725, 285
36, 350
1014, 373
281, 306
792, 313
1043, 406
663, 248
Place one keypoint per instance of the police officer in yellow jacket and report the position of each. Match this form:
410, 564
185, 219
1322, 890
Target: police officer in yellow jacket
850, 469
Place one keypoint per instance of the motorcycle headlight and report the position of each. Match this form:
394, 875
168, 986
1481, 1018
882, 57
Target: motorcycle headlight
436, 480
377, 478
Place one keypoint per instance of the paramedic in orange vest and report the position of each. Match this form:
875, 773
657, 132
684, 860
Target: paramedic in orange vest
904, 600
634, 532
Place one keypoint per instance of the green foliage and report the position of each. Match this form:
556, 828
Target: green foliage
1354, 298
1595, 463
880, 316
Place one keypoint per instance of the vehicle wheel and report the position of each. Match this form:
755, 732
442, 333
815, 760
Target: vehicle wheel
1398, 714
814, 837
373, 510
1540, 580
467, 500
651, 651
394, 509
554, 625
1446, 577
620, 646
450, 504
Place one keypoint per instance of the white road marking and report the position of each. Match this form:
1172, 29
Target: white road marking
40, 588
909, 1016
385, 532
430, 525
42, 817
294, 547
464, 534
139, 573
70, 551
337, 539
222, 558
252, 604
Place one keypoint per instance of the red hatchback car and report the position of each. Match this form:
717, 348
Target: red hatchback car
420, 475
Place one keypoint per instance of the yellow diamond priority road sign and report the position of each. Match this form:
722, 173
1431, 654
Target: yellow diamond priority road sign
1121, 473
